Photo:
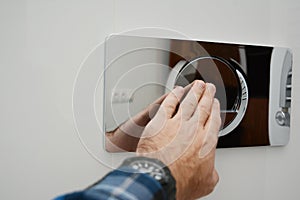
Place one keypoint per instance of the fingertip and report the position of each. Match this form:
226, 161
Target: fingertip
216, 103
211, 84
211, 88
199, 83
178, 91
178, 87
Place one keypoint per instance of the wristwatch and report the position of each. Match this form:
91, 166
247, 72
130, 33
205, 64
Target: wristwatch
157, 170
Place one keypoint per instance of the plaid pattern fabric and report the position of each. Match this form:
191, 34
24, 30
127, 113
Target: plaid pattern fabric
122, 184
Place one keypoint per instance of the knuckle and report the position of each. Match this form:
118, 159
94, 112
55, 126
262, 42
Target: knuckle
216, 177
204, 109
174, 97
213, 182
171, 106
189, 103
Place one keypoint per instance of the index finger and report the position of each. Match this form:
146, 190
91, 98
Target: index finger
169, 104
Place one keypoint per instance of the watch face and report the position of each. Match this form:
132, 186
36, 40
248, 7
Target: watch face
153, 169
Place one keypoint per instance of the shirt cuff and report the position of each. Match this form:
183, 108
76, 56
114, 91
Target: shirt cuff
127, 183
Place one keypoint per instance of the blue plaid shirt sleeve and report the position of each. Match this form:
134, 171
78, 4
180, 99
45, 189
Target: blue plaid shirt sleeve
121, 184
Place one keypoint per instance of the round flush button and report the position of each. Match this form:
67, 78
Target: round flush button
231, 87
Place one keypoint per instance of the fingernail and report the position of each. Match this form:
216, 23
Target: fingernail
216, 101
211, 88
201, 84
178, 87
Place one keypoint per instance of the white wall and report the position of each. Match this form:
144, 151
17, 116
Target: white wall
42, 44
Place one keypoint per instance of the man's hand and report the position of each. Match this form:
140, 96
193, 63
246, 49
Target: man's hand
184, 136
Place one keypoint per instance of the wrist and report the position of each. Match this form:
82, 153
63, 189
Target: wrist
181, 184
155, 169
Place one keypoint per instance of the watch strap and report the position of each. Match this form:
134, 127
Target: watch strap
168, 182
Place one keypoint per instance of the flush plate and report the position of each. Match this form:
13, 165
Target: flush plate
142, 67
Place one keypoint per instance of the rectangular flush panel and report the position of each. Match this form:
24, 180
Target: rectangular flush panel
253, 83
